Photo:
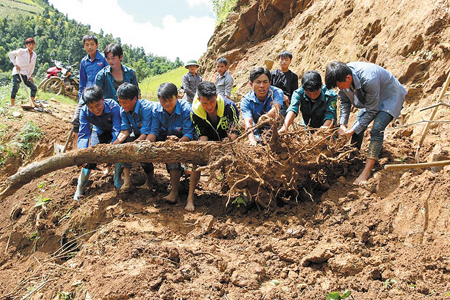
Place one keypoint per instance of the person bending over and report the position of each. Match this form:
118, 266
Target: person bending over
136, 117
214, 118
378, 95
316, 103
99, 124
263, 100
171, 121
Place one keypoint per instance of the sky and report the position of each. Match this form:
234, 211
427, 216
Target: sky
170, 28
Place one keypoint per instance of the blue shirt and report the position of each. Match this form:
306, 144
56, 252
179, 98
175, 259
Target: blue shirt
373, 89
251, 107
105, 80
179, 123
109, 121
138, 120
88, 70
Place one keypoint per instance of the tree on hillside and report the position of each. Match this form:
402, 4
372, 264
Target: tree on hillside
59, 38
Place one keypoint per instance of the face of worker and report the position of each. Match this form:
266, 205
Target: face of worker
285, 63
169, 104
209, 105
30, 46
91, 47
127, 104
96, 108
314, 94
346, 84
114, 61
261, 86
192, 69
221, 68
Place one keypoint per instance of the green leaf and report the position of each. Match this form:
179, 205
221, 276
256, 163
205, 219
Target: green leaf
346, 294
333, 296
275, 282
41, 202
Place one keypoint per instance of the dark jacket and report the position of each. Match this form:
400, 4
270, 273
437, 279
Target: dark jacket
227, 113
315, 113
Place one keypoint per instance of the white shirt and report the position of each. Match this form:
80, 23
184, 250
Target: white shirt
21, 57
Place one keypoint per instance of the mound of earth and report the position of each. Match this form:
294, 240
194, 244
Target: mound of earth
388, 239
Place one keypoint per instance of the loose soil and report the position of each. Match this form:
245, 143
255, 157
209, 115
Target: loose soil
387, 240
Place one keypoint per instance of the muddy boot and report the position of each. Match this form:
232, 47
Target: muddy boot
118, 181
82, 182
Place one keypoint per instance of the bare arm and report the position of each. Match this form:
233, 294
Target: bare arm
121, 137
288, 121
249, 124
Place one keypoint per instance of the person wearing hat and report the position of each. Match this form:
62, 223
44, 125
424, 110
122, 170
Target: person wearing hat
190, 80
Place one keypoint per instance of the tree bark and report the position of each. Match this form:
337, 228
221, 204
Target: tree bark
168, 152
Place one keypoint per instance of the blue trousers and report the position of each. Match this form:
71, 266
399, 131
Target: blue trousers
380, 123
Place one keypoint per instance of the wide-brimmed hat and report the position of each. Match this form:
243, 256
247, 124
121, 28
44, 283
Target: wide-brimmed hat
191, 63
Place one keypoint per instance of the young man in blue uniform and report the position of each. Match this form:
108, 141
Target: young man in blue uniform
378, 95
99, 124
316, 103
263, 100
113, 75
90, 65
136, 115
171, 121
214, 118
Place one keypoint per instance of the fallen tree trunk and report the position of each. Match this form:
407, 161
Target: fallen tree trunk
260, 172
169, 152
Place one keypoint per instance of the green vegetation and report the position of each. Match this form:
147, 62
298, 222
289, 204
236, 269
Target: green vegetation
58, 38
338, 296
29, 134
41, 201
389, 283
20, 7
149, 86
23, 142
222, 8
239, 200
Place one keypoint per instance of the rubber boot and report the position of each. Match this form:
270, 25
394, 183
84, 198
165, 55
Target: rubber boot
118, 181
82, 182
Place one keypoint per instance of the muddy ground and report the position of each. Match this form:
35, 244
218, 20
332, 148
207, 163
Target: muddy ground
387, 240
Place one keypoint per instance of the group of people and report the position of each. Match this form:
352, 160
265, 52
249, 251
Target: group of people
111, 110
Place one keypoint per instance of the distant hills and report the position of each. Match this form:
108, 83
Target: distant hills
60, 38
21, 7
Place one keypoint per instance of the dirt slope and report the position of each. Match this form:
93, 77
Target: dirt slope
388, 240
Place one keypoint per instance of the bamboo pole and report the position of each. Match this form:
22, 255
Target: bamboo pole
420, 165
427, 127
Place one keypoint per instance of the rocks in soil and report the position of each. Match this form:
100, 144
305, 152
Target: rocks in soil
249, 276
346, 264
323, 252
203, 226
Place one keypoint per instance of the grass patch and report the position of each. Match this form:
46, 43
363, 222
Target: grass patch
60, 98
222, 8
23, 143
25, 7
149, 86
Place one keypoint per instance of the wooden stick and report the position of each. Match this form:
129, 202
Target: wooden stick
421, 165
427, 127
